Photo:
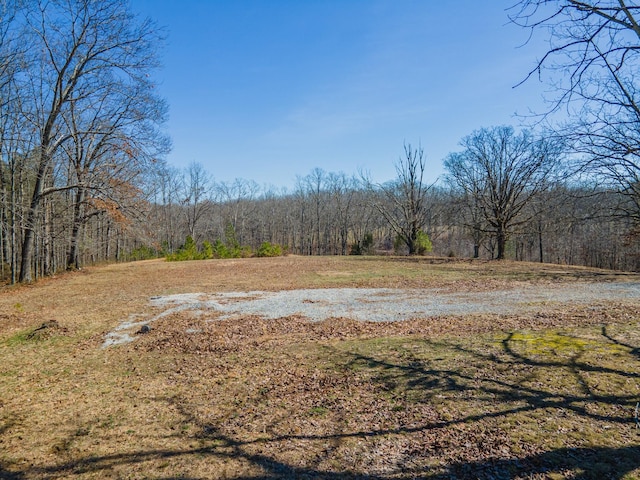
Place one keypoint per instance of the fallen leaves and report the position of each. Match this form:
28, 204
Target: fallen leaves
201, 397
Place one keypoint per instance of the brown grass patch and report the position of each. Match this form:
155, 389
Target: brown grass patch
547, 395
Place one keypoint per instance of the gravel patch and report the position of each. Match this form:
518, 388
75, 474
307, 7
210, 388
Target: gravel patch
375, 304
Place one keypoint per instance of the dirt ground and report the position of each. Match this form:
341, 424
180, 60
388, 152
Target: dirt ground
549, 393
104, 296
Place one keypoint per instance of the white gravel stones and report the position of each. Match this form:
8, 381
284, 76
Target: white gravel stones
374, 304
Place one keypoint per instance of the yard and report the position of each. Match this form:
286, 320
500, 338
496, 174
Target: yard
546, 389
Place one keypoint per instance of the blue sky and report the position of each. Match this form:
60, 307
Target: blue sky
268, 90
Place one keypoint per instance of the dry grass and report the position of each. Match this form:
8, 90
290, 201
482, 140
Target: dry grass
550, 395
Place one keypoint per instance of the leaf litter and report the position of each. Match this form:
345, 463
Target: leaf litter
548, 392
373, 304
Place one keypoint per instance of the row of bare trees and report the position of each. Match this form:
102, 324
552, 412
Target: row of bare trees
571, 195
316, 218
547, 217
82, 180
592, 65
79, 123
506, 195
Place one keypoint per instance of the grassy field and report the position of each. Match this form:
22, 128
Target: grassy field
545, 395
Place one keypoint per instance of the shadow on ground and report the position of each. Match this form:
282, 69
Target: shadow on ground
513, 392
600, 463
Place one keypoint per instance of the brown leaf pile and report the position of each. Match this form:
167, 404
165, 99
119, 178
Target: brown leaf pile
299, 396
184, 333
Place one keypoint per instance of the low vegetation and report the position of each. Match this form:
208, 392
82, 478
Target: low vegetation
219, 249
547, 395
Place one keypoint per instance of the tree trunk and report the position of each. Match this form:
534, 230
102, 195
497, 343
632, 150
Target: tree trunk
48, 263
501, 240
107, 252
13, 228
73, 261
540, 241
28, 241
411, 244
29, 236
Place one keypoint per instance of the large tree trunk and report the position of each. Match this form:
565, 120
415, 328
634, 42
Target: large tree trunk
501, 240
73, 261
48, 255
30, 226
27, 248
411, 245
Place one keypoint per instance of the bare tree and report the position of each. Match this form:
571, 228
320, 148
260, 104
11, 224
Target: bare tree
164, 194
403, 202
342, 190
236, 198
197, 189
82, 49
593, 63
500, 172
107, 152
465, 208
315, 184
13, 45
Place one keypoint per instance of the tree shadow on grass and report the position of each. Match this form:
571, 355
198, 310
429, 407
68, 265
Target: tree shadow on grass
584, 463
633, 349
513, 392
6, 424
7, 475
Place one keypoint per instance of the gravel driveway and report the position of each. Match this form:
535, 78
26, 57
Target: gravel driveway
376, 304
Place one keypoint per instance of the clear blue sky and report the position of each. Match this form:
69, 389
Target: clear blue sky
269, 89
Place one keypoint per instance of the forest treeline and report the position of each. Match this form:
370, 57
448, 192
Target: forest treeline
83, 177
79, 128
330, 213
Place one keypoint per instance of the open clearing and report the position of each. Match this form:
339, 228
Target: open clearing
522, 371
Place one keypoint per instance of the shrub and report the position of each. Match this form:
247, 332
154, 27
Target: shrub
355, 249
220, 250
188, 251
363, 247
399, 245
144, 253
268, 249
423, 242
207, 249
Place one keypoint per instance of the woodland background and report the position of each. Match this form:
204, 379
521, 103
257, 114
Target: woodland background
83, 177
